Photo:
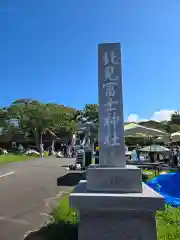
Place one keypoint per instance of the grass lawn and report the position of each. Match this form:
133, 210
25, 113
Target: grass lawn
9, 158
168, 223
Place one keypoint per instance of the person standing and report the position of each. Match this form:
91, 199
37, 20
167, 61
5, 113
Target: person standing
138, 152
50, 150
73, 152
178, 154
175, 157
41, 150
65, 150
151, 156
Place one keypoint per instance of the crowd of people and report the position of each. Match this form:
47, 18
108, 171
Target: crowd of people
64, 150
171, 158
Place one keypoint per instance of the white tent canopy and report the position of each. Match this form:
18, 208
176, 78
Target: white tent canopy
175, 137
135, 130
154, 148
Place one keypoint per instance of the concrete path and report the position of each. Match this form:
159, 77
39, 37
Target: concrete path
26, 189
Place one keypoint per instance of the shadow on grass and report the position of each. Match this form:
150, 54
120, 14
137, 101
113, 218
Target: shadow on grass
56, 231
71, 179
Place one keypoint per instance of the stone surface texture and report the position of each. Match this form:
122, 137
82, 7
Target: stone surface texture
118, 226
117, 179
85, 201
117, 216
110, 102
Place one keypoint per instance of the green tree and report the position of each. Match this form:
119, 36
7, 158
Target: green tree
3, 117
91, 112
169, 127
33, 117
175, 118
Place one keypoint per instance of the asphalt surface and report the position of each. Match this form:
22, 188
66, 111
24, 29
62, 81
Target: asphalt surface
27, 190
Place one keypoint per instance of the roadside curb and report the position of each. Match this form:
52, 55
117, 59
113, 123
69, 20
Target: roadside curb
51, 203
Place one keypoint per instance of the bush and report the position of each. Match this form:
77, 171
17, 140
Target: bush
32, 152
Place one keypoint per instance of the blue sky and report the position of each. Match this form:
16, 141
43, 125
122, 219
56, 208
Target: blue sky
48, 51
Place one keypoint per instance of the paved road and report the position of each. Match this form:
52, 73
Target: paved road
26, 188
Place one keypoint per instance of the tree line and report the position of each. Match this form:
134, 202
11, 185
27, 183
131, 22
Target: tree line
33, 118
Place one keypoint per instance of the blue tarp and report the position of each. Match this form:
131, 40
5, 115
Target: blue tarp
168, 185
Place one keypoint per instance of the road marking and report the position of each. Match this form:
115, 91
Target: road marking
16, 221
46, 215
52, 202
7, 174
48, 218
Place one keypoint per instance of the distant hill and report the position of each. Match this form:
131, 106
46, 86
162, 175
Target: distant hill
153, 124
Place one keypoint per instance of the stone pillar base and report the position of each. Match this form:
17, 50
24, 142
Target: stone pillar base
116, 216
124, 225
126, 179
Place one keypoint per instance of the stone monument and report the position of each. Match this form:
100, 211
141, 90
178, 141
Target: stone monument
113, 203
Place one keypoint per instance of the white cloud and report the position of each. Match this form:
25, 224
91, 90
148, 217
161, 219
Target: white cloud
161, 115
133, 118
